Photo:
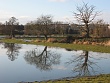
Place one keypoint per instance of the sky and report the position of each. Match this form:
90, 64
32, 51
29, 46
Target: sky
61, 10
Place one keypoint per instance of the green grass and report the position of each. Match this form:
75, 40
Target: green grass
96, 48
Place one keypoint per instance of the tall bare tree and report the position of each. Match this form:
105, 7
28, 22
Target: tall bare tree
85, 14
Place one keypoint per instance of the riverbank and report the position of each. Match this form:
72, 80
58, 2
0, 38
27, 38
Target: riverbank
94, 48
104, 78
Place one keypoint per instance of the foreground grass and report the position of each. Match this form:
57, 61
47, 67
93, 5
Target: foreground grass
96, 48
92, 79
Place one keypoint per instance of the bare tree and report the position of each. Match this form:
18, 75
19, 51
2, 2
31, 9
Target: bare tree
30, 29
12, 24
101, 29
44, 24
60, 27
85, 14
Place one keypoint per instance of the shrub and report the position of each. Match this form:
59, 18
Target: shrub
53, 40
37, 40
69, 39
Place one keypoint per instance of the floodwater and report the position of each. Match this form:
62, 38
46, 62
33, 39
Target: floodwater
27, 63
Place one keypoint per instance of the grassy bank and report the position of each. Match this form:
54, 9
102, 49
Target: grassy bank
92, 79
95, 48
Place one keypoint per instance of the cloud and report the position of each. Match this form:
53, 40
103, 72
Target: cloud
4, 15
105, 16
25, 19
58, 0
66, 19
67, 0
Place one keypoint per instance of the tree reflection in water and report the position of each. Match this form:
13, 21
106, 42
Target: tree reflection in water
42, 59
12, 50
84, 66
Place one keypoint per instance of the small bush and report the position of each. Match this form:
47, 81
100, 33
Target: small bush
68, 39
53, 40
37, 40
62, 40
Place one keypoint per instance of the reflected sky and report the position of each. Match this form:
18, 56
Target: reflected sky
21, 70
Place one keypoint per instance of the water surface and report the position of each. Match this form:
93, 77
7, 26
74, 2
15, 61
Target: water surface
20, 62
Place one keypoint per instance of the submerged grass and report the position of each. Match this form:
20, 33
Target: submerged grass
95, 48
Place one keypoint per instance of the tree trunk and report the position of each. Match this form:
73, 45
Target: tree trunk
87, 31
46, 37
